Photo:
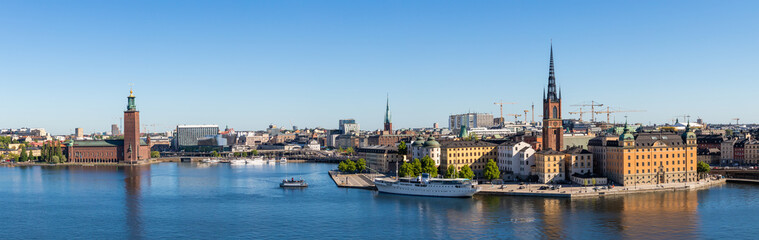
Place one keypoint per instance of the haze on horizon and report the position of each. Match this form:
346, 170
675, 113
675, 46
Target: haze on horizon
250, 64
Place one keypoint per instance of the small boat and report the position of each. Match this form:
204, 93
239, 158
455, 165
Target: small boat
283, 160
292, 183
237, 162
256, 161
271, 161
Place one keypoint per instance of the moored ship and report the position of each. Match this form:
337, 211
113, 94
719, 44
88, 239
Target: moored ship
292, 183
425, 186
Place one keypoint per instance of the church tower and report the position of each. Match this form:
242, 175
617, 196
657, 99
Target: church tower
553, 132
388, 123
131, 131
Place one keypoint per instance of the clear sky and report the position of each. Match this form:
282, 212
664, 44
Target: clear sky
247, 64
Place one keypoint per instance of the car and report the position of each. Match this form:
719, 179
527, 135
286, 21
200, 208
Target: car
521, 187
543, 188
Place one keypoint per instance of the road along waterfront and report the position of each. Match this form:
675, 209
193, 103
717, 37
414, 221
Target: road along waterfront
195, 200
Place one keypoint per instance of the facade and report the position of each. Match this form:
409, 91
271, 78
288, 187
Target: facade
115, 130
380, 158
430, 147
751, 151
578, 161
475, 154
188, 135
553, 132
549, 166
390, 139
470, 121
130, 150
79, 133
649, 158
515, 160
726, 150
348, 126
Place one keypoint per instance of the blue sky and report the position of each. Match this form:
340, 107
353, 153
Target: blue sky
247, 64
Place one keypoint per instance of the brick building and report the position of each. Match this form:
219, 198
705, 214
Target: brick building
129, 150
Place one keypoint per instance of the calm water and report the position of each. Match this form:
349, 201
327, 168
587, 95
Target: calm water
186, 200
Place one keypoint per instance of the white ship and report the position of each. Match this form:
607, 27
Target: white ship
426, 186
237, 162
256, 161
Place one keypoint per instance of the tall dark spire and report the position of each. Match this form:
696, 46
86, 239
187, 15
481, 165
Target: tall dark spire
552, 80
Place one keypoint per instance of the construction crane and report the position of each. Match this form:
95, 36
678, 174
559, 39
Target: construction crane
592, 105
579, 112
685, 117
736, 120
516, 117
533, 113
525, 116
609, 112
501, 104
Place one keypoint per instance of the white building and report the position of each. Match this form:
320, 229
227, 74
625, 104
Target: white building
515, 160
470, 120
421, 148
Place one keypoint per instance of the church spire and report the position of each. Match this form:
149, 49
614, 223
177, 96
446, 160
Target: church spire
552, 80
388, 121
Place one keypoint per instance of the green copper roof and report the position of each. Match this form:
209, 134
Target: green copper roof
387, 112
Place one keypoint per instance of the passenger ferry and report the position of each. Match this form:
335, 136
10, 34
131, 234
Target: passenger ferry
425, 186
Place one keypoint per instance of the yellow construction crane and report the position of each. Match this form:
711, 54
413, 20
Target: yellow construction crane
516, 117
609, 112
580, 112
501, 104
592, 105
525, 116
736, 120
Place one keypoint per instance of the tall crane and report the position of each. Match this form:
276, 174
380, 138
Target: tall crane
580, 112
501, 104
685, 117
592, 105
609, 112
533, 113
516, 117
525, 116
736, 120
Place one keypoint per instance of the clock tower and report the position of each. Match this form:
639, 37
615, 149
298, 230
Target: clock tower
553, 131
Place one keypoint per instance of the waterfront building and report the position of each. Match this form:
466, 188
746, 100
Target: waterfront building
470, 121
751, 151
475, 154
188, 135
578, 161
549, 166
430, 147
553, 132
129, 150
380, 158
515, 160
648, 157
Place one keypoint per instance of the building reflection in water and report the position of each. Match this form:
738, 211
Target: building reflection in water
133, 177
673, 214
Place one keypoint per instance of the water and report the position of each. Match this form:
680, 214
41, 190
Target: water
171, 201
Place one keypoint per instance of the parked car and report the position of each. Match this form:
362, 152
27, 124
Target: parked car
543, 188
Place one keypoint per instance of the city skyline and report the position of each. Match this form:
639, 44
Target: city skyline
250, 66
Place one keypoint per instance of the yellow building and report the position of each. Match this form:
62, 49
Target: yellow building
648, 157
549, 166
475, 154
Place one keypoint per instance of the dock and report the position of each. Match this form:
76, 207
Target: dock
354, 180
589, 191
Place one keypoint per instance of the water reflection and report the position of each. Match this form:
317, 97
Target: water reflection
133, 206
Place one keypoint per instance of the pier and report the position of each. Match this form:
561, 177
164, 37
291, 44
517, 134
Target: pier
355, 180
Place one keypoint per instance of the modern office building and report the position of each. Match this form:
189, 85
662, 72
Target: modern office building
348, 126
188, 135
79, 133
115, 130
470, 121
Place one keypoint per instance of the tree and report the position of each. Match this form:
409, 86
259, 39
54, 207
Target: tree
342, 167
402, 148
350, 166
350, 151
54, 159
491, 170
254, 153
406, 170
702, 168
361, 165
244, 154
155, 154
215, 154
466, 172
62, 159
428, 166
23, 157
341, 150
416, 167
450, 172
729, 133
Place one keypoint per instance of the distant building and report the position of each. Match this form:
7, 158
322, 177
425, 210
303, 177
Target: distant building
349, 126
470, 121
188, 135
115, 130
474, 154
79, 133
388, 140
515, 160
